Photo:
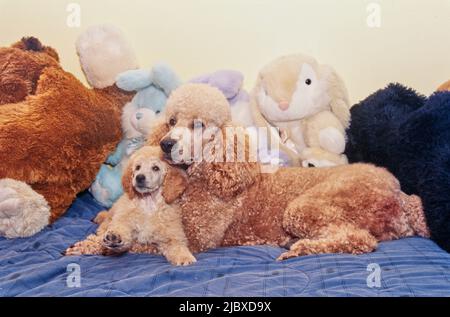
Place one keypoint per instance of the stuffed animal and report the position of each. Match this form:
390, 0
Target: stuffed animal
409, 135
444, 86
230, 83
152, 88
55, 132
309, 105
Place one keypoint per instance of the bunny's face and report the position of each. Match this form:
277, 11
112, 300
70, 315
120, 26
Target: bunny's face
292, 88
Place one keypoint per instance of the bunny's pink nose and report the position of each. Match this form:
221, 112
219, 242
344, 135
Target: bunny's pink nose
283, 105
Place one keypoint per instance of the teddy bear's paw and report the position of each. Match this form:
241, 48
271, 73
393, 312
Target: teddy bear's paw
10, 202
23, 212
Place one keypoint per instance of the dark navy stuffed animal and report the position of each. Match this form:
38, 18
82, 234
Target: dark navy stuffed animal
408, 134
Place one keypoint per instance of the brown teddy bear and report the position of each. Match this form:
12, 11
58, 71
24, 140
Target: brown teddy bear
55, 132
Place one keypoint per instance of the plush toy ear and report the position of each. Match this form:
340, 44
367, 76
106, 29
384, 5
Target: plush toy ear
104, 53
134, 80
165, 78
12, 89
174, 184
445, 86
229, 82
340, 104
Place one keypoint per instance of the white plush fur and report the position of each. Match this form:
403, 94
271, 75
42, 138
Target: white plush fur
23, 212
104, 53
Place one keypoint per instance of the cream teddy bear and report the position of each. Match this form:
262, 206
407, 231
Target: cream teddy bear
309, 105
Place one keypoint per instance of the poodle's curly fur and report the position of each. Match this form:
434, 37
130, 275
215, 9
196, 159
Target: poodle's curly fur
329, 210
144, 215
409, 135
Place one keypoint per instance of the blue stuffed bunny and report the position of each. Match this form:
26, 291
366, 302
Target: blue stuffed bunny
152, 90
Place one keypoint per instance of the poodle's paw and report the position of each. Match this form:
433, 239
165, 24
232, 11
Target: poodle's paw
115, 241
89, 246
183, 259
289, 254
180, 256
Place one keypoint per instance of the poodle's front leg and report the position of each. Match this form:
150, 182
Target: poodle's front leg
177, 253
343, 238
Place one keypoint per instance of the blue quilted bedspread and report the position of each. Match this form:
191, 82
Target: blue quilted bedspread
35, 267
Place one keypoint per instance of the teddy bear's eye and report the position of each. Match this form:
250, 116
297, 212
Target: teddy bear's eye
308, 81
155, 168
138, 167
172, 121
158, 112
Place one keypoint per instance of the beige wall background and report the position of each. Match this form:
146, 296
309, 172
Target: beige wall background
411, 46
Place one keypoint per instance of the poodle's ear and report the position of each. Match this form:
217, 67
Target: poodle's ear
127, 179
230, 175
165, 78
159, 129
340, 104
174, 184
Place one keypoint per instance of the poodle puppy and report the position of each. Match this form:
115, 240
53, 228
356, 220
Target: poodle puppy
228, 202
143, 215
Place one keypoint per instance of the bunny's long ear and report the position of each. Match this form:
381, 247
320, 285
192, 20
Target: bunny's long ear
174, 184
340, 104
134, 80
165, 78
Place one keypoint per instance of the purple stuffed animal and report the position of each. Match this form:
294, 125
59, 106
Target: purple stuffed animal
230, 83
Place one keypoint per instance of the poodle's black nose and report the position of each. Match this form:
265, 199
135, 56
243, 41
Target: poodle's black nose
140, 180
167, 145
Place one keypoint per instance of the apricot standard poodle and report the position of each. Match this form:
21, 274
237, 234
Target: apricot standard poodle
345, 209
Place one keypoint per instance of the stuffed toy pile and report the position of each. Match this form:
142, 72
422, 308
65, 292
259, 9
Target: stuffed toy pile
54, 132
408, 134
152, 88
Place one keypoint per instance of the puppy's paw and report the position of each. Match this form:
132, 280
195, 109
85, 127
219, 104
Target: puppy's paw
181, 257
91, 245
115, 241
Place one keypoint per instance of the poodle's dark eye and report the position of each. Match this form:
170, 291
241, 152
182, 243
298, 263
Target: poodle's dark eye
138, 167
198, 124
172, 121
311, 165
308, 81
158, 111
155, 168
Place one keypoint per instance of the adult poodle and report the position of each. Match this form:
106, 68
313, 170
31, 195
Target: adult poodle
345, 209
